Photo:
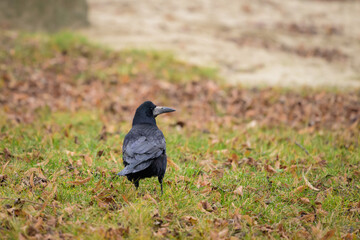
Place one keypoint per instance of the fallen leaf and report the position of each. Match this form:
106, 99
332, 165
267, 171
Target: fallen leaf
161, 232
97, 186
206, 206
249, 220
309, 184
269, 169
32, 180
148, 197
308, 217
305, 200
173, 164
223, 233
44, 163
329, 235
125, 199
69, 153
239, 191
88, 160
100, 153
3, 179
300, 189
7, 154
4, 167
80, 182
190, 220
31, 231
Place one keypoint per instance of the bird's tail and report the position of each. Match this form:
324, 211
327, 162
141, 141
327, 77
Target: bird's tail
134, 168
124, 172
127, 170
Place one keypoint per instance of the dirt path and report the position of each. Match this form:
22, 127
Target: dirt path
260, 42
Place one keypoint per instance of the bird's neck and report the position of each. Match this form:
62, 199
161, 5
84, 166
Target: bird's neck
143, 120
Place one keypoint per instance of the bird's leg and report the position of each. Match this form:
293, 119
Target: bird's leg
161, 184
136, 183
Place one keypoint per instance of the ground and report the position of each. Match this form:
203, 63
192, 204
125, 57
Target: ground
255, 43
243, 163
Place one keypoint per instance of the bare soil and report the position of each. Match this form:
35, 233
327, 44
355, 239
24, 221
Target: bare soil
255, 43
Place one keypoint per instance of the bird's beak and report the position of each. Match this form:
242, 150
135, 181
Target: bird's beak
159, 110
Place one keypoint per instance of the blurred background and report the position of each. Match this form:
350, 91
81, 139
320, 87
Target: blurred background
256, 43
185, 54
267, 103
260, 42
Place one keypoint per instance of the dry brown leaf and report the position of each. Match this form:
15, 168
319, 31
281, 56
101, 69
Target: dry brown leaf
302, 234
125, 199
38, 171
269, 169
100, 153
88, 160
329, 235
308, 217
32, 180
16, 212
79, 163
223, 233
305, 200
277, 165
173, 164
4, 167
308, 183
80, 182
190, 220
249, 220
7, 154
148, 197
22, 237
39, 224
162, 232
3, 178
317, 231
70, 209
349, 236
97, 186
69, 153
206, 206
155, 214
239, 191
44, 163
203, 181
300, 189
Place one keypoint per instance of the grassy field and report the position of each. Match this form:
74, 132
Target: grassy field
229, 176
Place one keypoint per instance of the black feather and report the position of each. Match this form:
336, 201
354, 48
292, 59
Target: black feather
144, 147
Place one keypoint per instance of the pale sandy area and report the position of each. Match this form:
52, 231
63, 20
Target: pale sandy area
259, 42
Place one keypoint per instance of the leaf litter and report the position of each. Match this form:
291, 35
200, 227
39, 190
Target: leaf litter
203, 205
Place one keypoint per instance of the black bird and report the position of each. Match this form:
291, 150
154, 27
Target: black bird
144, 147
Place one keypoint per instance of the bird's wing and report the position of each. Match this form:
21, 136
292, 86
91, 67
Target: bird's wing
138, 148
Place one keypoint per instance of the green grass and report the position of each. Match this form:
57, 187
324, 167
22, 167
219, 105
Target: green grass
35, 50
223, 181
204, 174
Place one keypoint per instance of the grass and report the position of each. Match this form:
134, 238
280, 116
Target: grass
223, 181
34, 49
199, 189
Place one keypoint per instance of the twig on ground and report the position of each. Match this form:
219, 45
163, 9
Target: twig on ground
304, 149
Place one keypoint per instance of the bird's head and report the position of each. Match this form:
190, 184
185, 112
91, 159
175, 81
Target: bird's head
147, 112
